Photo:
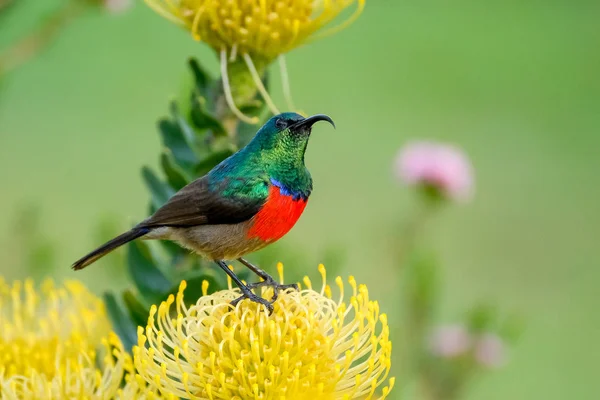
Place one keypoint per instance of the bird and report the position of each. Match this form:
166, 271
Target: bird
248, 201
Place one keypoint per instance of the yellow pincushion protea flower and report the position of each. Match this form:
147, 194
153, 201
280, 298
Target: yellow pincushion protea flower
52, 346
36, 323
311, 347
263, 29
80, 375
258, 31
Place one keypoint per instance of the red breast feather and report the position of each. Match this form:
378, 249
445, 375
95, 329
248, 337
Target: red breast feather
279, 214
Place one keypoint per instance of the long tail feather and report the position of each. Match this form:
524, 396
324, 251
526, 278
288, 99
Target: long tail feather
109, 246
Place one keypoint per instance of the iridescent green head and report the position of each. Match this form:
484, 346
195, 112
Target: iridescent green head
294, 124
286, 136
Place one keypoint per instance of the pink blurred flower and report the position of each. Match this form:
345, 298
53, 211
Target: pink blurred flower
490, 351
450, 341
441, 166
117, 6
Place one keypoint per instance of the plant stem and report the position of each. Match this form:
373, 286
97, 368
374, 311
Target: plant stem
27, 47
417, 291
414, 227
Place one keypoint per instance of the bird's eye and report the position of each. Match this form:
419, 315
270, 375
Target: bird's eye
281, 123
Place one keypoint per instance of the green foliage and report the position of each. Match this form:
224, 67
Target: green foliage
195, 138
122, 324
121, 321
148, 278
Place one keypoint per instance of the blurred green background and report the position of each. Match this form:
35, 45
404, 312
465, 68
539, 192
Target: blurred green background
516, 84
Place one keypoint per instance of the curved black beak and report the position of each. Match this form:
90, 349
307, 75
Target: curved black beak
308, 122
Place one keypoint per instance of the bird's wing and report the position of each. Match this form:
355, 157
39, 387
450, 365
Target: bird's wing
202, 203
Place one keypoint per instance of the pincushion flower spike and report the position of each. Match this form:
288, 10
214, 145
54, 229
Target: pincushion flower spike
256, 31
56, 343
313, 346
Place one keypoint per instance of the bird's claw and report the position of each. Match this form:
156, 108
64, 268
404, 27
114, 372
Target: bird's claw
272, 283
257, 299
290, 286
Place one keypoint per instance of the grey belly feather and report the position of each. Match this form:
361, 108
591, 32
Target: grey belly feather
214, 242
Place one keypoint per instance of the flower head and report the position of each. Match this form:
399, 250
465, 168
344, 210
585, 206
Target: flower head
263, 29
485, 348
490, 351
79, 374
311, 347
440, 167
35, 324
52, 345
450, 341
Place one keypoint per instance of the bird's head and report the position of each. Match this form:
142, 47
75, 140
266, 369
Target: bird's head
286, 135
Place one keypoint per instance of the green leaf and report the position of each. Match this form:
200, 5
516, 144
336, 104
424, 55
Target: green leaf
161, 192
201, 76
176, 176
180, 259
149, 280
173, 249
178, 141
187, 131
137, 312
256, 105
121, 323
202, 119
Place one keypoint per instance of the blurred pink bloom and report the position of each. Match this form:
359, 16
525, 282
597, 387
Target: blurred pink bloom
490, 351
450, 341
438, 165
117, 6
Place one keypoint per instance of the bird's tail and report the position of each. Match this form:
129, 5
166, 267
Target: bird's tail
109, 246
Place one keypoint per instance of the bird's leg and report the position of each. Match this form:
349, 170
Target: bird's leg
262, 274
268, 280
246, 292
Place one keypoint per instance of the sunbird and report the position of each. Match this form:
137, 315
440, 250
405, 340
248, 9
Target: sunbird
248, 201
